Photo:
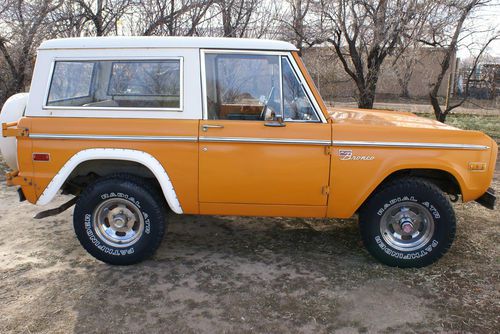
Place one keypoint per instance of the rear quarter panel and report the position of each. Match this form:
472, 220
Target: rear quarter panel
180, 159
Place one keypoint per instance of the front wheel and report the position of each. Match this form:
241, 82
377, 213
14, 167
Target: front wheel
408, 223
119, 219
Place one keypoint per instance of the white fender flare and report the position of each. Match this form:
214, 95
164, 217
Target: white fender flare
141, 157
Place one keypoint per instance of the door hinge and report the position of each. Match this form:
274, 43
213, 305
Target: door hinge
325, 190
11, 130
328, 150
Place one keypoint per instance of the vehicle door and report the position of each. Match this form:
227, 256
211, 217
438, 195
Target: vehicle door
263, 139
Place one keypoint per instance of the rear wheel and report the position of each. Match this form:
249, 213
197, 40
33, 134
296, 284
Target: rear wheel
408, 223
119, 219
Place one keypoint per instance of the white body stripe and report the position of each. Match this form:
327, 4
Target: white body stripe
141, 157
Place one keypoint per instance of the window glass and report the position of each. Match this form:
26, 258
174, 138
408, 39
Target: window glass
243, 86
144, 78
117, 84
71, 80
296, 104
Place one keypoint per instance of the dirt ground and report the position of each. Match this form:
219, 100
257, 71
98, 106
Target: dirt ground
244, 275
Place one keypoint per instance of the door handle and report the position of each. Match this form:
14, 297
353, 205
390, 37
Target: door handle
275, 124
205, 127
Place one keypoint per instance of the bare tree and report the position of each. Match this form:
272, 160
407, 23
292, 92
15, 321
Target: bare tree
196, 16
236, 16
169, 17
445, 29
68, 20
242, 19
301, 25
404, 67
102, 15
4, 6
265, 22
364, 32
408, 54
25, 25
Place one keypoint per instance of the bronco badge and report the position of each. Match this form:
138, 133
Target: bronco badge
347, 155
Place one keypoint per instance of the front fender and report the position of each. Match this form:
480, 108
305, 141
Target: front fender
352, 182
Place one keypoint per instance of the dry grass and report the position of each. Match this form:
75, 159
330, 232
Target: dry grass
489, 124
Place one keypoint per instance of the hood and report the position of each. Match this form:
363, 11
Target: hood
384, 118
394, 126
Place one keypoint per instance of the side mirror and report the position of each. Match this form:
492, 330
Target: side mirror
276, 123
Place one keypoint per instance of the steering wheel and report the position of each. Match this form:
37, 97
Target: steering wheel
263, 112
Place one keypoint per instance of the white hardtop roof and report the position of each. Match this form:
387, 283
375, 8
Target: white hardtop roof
142, 42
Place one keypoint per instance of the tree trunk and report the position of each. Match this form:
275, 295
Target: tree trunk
438, 112
405, 93
404, 83
369, 87
98, 21
366, 99
445, 64
226, 19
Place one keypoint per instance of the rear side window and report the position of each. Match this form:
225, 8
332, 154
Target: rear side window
116, 84
71, 80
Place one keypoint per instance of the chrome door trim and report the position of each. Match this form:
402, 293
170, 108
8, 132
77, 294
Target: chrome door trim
112, 137
265, 140
340, 143
409, 144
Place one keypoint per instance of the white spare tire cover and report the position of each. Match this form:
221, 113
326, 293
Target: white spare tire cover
12, 111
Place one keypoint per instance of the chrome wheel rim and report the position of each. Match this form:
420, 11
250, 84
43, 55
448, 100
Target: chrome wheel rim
118, 222
407, 226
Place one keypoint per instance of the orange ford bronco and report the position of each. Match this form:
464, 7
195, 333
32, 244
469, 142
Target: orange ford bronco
136, 126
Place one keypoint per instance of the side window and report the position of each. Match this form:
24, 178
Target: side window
242, 86
71, 80
296, 104
116, 84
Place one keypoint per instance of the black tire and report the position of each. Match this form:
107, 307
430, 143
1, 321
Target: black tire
144, 212
390, 233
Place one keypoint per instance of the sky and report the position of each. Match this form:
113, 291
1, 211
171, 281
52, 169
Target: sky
485, 19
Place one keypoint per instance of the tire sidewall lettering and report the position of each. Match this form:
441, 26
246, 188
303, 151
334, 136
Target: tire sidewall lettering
98, 243
132, 199
147, 223
393, 201
432, 209
404, 255
416, 254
